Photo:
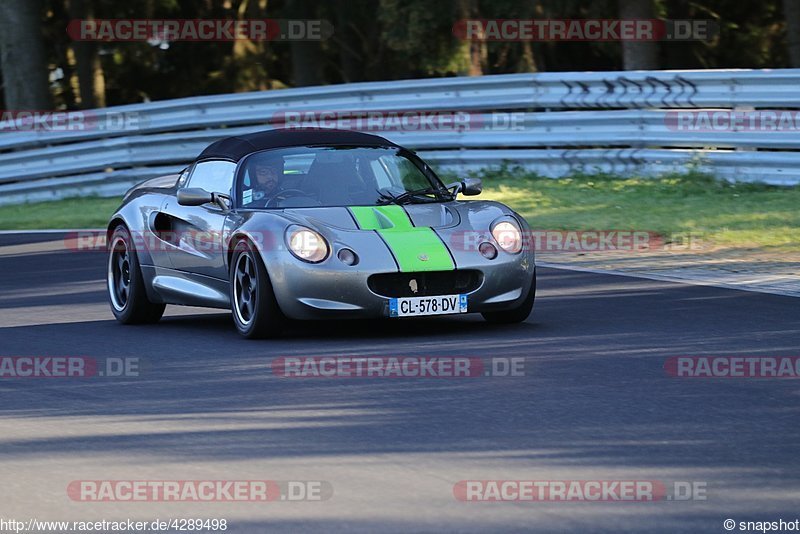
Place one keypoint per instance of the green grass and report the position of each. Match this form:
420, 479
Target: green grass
715, 211
89, 212
727, 215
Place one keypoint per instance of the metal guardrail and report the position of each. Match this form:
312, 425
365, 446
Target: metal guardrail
568, 122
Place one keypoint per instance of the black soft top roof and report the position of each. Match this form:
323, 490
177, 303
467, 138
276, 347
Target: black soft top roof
235, 148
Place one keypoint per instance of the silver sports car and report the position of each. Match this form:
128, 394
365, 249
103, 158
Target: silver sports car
312, 224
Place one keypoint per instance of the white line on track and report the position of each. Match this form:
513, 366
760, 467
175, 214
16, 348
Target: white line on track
53, 231
664, 278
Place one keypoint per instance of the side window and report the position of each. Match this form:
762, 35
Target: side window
213, 176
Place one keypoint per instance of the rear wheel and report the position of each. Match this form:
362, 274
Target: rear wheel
256, 313
514, 315
126, 290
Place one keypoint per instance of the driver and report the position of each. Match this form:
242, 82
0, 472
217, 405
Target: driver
267, 174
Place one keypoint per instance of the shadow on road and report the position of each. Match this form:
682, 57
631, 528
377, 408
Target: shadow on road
594, 396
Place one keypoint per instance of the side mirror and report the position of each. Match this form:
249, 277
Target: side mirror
195, 196
471, 187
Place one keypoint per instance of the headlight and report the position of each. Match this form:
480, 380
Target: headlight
508, 236
306, 244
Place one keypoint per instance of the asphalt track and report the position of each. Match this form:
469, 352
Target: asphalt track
595, 404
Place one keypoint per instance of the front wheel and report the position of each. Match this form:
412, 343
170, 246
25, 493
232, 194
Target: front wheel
126, 291
514, 315
256, 313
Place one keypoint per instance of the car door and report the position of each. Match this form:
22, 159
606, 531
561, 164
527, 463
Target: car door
199, 232
156, 237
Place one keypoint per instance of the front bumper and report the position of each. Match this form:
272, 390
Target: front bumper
334, 290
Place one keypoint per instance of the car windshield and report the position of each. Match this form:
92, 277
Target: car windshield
326, 176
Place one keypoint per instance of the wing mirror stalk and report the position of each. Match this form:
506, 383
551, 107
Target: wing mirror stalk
468, 187
196, 196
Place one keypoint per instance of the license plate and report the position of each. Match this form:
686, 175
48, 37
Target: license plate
438, 305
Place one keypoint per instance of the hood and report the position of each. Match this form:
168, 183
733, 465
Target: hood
390, 216
408, 231
417, 235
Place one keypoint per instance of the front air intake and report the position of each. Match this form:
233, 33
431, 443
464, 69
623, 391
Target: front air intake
427, 284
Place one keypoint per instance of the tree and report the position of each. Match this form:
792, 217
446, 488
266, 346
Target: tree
306, 55
22, 56
346, 39
474, 53
638, 55
420, 34
91, 81
247, 63
791, 10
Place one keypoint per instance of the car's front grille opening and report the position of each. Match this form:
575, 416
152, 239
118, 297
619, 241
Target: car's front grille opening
425, 284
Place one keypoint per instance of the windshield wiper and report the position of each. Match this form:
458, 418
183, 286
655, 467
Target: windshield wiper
385, 197
408, 196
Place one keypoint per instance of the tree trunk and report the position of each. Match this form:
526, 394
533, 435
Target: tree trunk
527, 60
22, 57
638, 55
305, 55
350, 60
91, 80
791, 11
248, 61
306, 68
473, 53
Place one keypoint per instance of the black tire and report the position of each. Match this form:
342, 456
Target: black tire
255, 310
514, 315
126, 292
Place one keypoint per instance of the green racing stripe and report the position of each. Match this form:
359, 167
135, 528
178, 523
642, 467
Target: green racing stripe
415, 248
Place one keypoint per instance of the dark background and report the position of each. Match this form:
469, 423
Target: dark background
42, 68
